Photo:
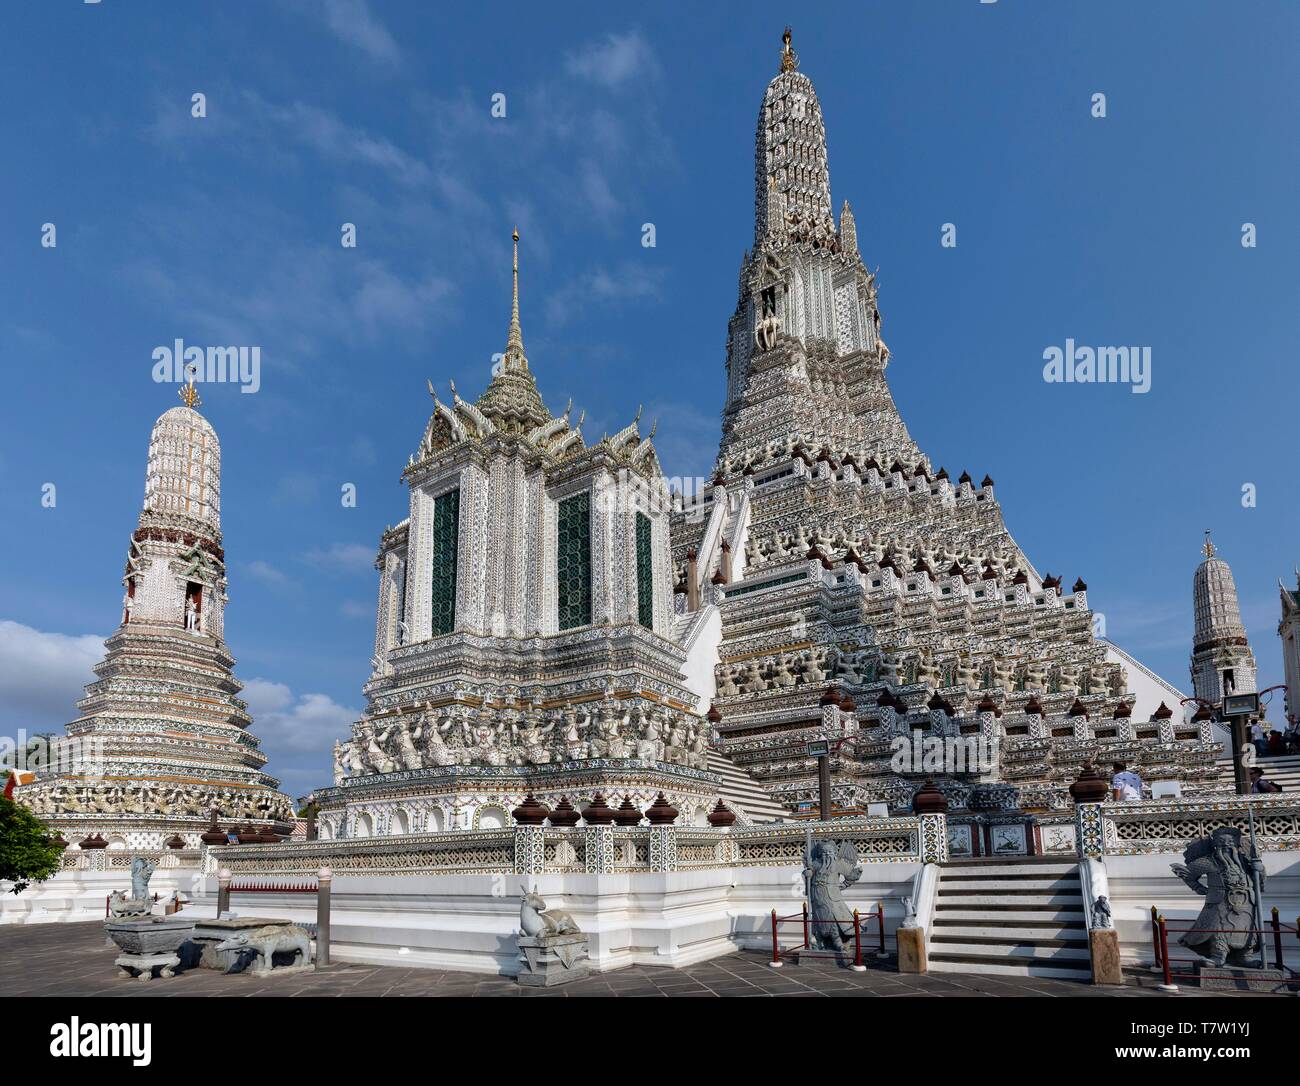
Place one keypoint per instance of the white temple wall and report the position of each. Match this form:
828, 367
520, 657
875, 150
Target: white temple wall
1138, 882
72, 896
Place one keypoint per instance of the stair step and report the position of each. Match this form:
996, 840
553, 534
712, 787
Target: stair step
947, 914
1021, 931
938, 964
1011, 951
996, 896
1045, 890
1039, 873
1031, 867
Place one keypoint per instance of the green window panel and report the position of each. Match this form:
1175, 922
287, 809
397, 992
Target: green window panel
645, 583
573, 561
446, 525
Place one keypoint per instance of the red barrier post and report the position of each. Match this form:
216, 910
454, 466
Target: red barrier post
1168, 985
807, 937
880, 924
1155, 934
1277, 940
775, 963
858, 967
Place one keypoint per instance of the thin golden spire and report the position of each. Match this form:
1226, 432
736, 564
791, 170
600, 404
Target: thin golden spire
1208, 549
789, 59
515, 341
189, 395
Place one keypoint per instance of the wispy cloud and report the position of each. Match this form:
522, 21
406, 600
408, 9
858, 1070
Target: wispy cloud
342, 557
266, 573
601, 286
614, 60
354, 24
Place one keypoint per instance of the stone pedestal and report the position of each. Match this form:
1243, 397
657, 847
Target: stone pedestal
1233, 978
1103, 946
911, 950
141, 966
549, 960
842, 958
202, 945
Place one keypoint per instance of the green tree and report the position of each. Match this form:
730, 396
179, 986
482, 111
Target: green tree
27, 853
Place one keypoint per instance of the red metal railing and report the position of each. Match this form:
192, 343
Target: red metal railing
1161, 927
273, 888
805, 921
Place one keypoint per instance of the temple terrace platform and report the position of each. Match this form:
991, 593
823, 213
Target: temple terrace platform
72, 960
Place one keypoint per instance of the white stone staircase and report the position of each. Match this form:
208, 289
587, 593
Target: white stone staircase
744, 795
1007, 916
1283, 771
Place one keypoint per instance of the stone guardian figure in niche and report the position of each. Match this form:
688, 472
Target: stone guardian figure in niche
1220, 868
829, 870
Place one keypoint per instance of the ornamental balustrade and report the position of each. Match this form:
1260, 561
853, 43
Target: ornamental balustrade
119, 859
587, 850
1156, 826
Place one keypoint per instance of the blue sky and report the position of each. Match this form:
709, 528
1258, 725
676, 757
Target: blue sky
225, 230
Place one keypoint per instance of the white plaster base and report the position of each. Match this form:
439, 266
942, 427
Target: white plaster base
469, 922
80, 895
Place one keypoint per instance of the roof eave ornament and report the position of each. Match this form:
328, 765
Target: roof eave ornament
789, 58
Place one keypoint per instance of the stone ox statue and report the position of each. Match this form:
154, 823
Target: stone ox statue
1220, 868
269, 941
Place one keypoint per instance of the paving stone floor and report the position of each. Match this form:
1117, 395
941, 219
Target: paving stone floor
73, 960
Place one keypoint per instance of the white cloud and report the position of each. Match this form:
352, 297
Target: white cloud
614, 60
353, 23
289, 723
42, 676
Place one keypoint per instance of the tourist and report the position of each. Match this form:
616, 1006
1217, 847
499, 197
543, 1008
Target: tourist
1126, 786
1259, 785
1276, 747
1292, 737
1257, 737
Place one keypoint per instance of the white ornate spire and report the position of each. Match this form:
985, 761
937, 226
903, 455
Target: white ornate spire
1222, 662
183, 477
790, 154
515, 358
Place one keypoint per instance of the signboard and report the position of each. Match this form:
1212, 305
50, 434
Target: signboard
1240, 705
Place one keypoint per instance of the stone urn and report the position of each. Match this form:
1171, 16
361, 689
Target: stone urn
147, 943
1090, 786
721, 815
928, 799
598, 812
565, 814
532, 812
661, 812
149, 934
628, 813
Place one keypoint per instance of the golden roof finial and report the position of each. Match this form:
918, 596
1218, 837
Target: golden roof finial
789, 59
189, 396
1208, 549
515, 341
